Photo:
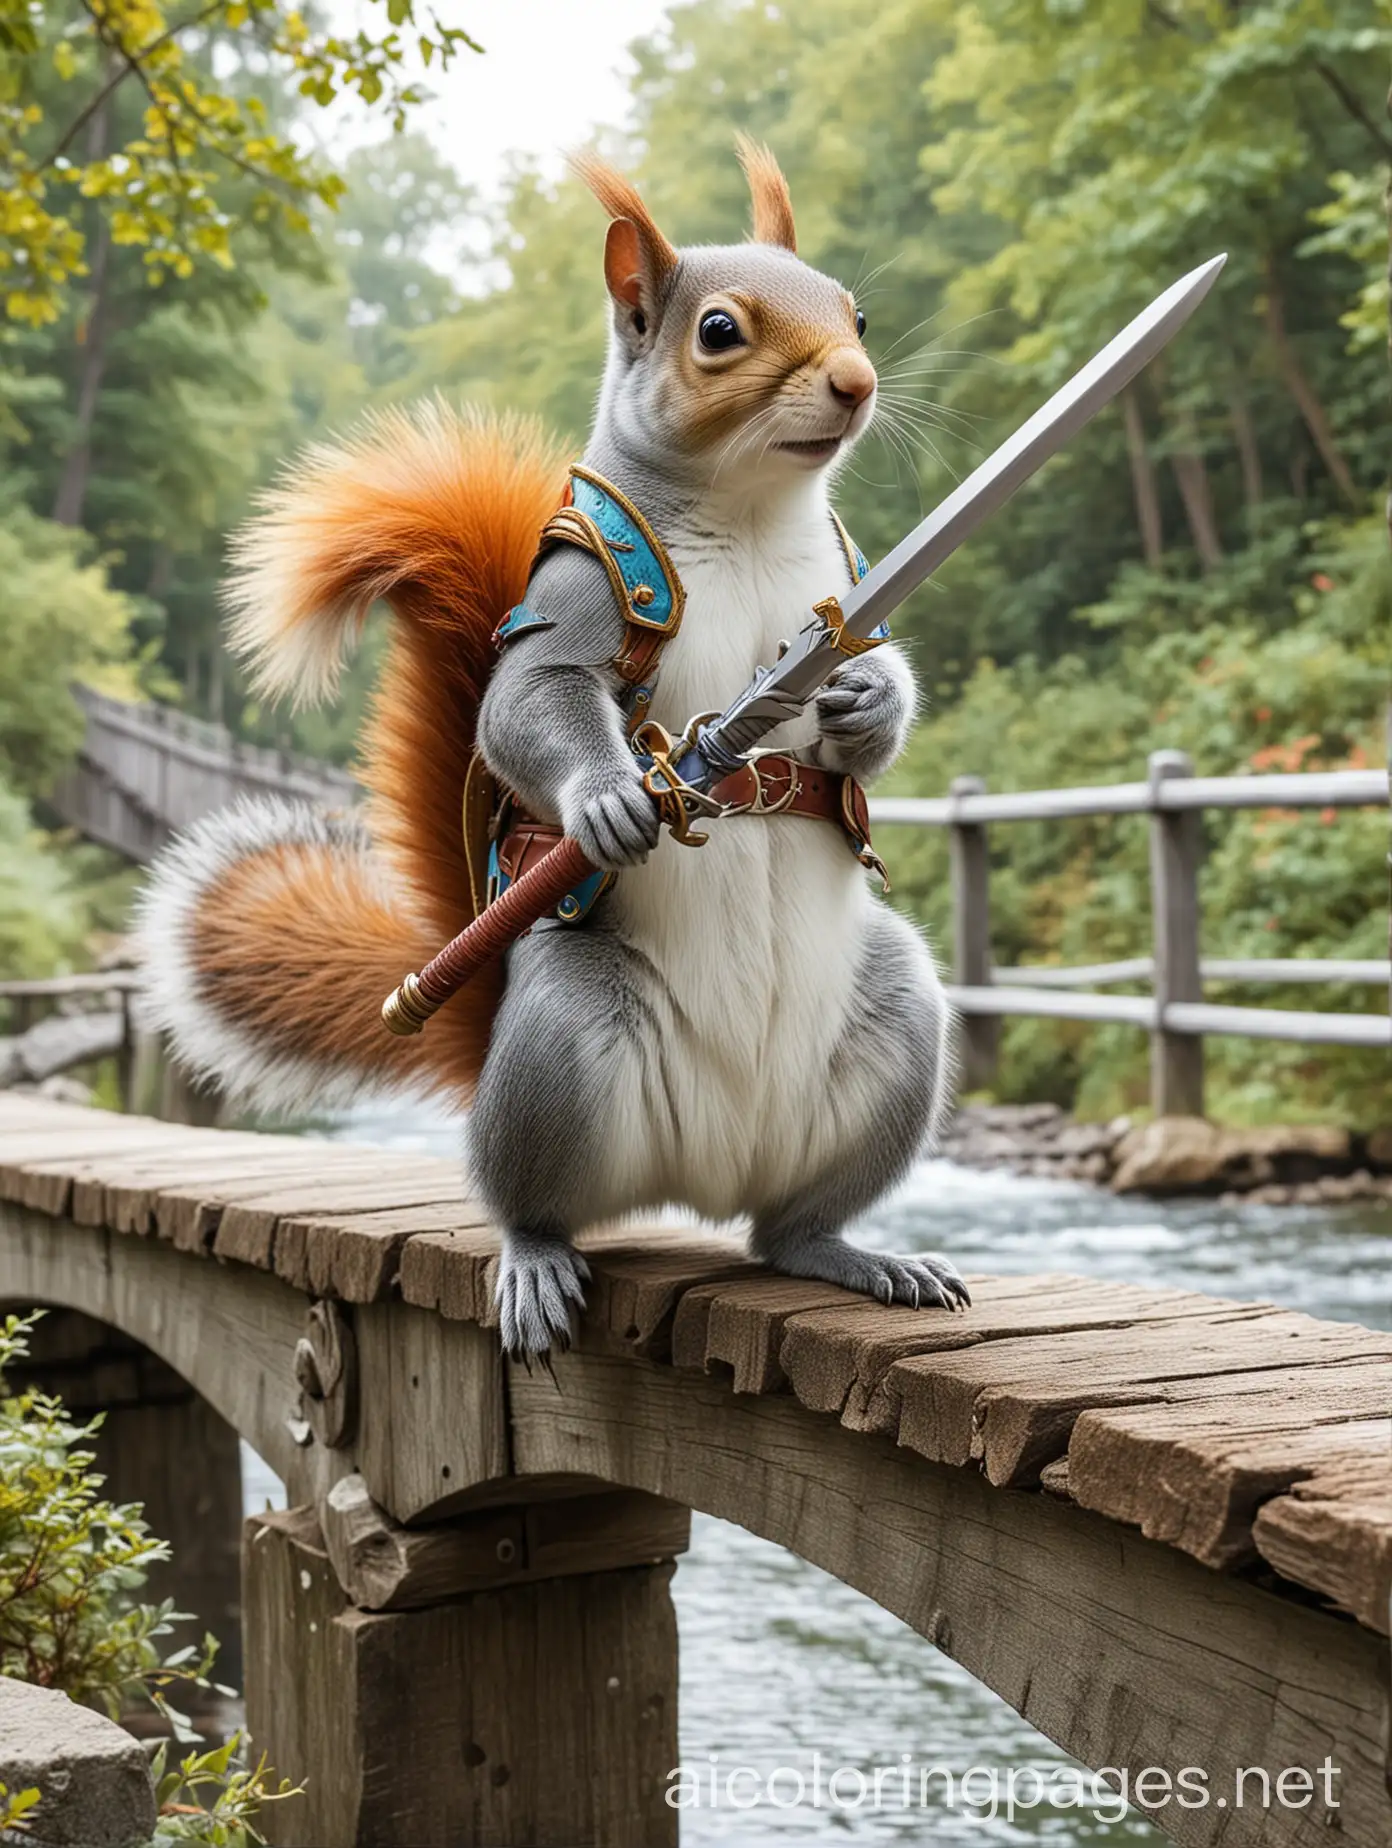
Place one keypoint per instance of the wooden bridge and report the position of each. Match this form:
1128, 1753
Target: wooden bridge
144, 772
1158, 1524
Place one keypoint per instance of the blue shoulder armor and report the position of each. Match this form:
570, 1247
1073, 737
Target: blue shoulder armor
519, 618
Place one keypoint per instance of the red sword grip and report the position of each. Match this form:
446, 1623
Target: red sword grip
524, 903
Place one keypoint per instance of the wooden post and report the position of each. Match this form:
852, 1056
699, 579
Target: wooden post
970, 864
125, 1058
529, 1715
183, 1101
1176, 848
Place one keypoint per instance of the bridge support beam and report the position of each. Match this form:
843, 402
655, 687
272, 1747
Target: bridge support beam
538, 1714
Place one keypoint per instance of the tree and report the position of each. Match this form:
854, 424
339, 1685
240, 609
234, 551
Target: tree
161, 184
400, 197
63, 623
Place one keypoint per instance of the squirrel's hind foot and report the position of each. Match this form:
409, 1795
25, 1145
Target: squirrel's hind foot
541, 1280
926, 1281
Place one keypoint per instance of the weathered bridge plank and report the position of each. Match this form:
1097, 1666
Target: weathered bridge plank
1195, 1475
846, 1360
1333, 1531
872, 1440
1122, 1650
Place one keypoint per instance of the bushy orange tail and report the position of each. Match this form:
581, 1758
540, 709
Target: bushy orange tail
272, 935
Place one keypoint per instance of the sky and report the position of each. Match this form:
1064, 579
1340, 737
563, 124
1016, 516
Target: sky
551, 71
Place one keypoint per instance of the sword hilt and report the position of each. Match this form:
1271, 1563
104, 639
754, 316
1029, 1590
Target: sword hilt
526, 901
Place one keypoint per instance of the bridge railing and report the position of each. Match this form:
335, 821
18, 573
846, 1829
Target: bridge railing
1175, 1013
53, 1023
146, 771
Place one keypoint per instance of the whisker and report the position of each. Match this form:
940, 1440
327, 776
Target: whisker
742, 438
943, 416
908, 334
861, 285
917, 434
926, 405
895, 439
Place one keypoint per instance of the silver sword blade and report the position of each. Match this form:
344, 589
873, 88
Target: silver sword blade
780, 692
989, 487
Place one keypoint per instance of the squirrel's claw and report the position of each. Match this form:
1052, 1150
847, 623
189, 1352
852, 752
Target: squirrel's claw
540, 1285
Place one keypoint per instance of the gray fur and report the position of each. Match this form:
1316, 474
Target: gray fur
581, 1010
864, 712
899, 1035
550, 724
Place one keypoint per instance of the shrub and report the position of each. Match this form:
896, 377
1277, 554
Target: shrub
71, 1564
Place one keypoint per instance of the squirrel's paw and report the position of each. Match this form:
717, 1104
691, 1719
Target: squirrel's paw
923, 1282
540, 1282
617, 826
864, 713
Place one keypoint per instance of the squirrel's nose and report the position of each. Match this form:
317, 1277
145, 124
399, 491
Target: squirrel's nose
850, 376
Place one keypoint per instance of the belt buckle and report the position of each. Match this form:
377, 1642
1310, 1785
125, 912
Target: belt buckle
761, 805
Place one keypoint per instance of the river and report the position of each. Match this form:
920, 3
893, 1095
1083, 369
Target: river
779, 1662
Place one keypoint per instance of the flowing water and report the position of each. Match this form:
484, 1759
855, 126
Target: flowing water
779, 1662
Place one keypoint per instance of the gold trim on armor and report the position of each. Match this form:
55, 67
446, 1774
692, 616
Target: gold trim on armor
571, 527
660, 552
479, 805
848, 545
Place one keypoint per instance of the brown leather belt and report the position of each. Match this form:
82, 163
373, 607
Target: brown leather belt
771, 784
778, 785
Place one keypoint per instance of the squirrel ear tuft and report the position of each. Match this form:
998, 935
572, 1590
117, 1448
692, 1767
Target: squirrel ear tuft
638, 260
773, 205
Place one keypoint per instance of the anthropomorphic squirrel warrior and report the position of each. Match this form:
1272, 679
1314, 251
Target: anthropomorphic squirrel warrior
744, 1029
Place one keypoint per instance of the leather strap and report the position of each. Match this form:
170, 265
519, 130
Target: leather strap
776, 784
524, 844
771, 784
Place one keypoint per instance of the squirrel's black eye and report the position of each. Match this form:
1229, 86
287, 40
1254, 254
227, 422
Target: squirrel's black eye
860, 322
719, 331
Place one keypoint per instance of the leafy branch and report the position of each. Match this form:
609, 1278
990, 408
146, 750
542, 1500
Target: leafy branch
179, 185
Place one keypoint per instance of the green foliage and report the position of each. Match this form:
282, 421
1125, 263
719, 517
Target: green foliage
1275, 883
15, 1805
45, 920
202, 166
239, 1791
61, 622
71, 1563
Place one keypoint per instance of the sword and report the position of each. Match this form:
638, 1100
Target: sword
681, 774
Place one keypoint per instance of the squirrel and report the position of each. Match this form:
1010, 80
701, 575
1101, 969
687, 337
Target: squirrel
746, 1030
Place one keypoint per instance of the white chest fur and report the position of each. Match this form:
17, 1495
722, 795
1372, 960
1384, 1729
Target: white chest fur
756, 936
